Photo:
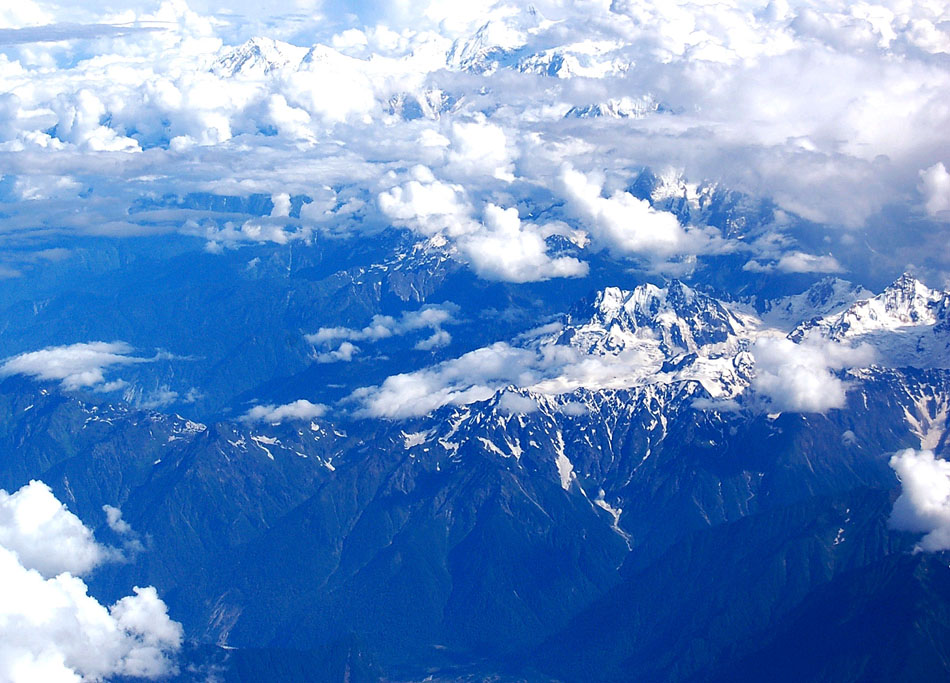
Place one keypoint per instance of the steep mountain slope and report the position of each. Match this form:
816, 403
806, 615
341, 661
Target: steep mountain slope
829, 296
258, 57
524, 42
565, 518
191, 492
659, 625
887, 621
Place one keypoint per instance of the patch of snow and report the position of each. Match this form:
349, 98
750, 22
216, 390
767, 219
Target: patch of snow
415, 438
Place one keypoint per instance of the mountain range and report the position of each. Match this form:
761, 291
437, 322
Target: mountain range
632, 485
428, 341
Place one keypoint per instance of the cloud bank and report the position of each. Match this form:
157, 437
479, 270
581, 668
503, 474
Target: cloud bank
445, 120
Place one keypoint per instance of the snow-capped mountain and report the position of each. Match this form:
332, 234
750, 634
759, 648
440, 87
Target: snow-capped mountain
495, 44
618, 108
675, 319
257, 58
648, 336
519, 42
908, 324
826, 297
586, 60
427, 104
322, 56
707, 203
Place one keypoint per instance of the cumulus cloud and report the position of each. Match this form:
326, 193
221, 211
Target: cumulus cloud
437, 339
104, 117
115, 521
428, 205
430, 317
935, 188
716, 405
511, 251
625, 224
300, 409
924, 503
343, 353
50, 627
798, 262
75, 366
45, 535
480, 148
498, 247
325, 70
516, 404
799, 377
274, 229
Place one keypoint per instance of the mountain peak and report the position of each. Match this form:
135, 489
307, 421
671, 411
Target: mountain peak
257, 57
494, 43
828, 296
917, 314
907, 289
680, 319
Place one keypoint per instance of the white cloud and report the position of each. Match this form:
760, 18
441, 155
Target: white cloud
281, 201
437, 339
45, 535
51, 629
115, 521
427, 205
77, 365
475, 376
624, 224
516, 404
575, 409
511, 251
293, 122
480, 148
500, 247
799, 378
26, 13
799, 262
716, 405
301, 409
154, 400
935, 187
344, 352
332, 86
429, 317
132, 113
924, 503
275, 229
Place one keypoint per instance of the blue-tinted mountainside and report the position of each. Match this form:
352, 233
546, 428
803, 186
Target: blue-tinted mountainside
563, 527
484, 341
